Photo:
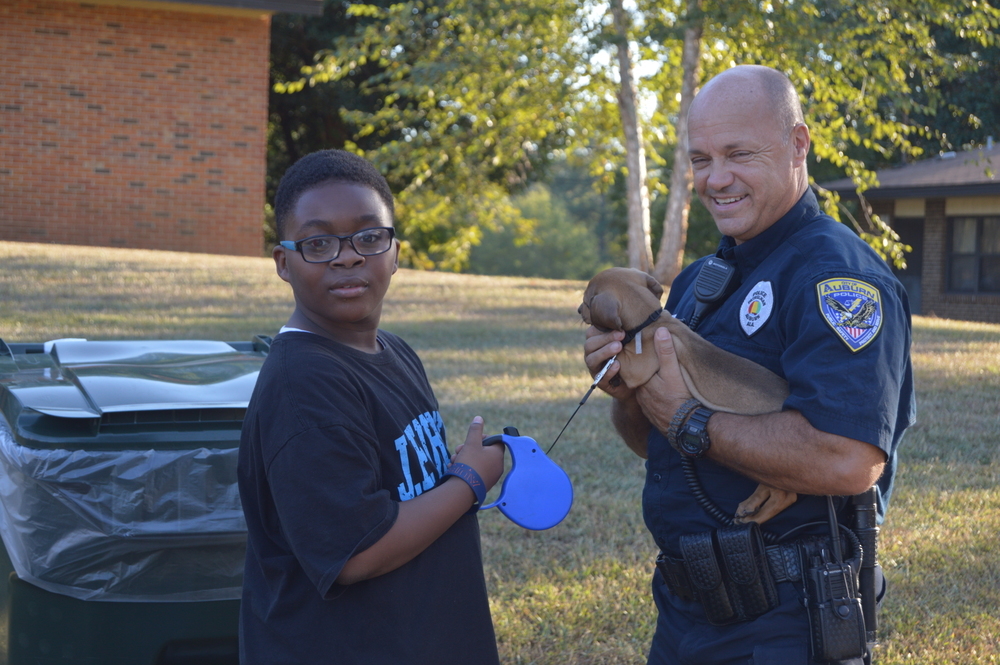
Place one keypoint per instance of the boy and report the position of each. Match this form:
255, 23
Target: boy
361, 544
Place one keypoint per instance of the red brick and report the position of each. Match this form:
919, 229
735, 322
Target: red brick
107, 116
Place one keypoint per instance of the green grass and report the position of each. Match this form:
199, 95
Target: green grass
509, 349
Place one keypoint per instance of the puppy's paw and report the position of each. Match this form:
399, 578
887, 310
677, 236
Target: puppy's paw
763, 504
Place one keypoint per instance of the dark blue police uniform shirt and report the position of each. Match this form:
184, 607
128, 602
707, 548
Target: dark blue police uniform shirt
819, 308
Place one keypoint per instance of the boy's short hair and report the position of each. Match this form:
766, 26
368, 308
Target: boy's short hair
321, 167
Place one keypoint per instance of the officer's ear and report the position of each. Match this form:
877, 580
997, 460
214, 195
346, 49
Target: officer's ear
800, 144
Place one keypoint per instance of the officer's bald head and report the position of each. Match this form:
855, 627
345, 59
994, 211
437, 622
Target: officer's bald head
747, 87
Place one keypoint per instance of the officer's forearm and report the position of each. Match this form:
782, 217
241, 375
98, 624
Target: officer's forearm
783, 450
631, 424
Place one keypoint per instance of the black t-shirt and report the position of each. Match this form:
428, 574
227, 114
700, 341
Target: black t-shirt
333, 439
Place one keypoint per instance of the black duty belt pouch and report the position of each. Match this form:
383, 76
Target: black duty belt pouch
729, 574
836, 622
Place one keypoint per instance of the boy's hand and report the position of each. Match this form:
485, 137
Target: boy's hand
486, 460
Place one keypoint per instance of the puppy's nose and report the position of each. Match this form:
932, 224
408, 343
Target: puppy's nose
579, 310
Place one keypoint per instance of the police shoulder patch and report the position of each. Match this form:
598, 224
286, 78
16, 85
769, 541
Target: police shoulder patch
852, 308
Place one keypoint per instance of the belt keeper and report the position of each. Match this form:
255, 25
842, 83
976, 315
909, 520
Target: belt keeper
672, 571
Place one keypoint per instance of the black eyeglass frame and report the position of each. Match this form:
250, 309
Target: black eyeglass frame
296, 245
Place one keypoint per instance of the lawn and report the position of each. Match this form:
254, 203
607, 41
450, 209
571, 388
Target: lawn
509, 349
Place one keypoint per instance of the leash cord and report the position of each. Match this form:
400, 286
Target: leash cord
597, 379
629, 336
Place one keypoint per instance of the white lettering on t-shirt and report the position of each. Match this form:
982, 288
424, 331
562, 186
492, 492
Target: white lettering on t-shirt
424, 437
434, 427
406, 487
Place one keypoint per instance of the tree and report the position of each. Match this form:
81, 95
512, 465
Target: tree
864, 71
971, 112
670, 258
474, 99
640, 253
463, 104
311, 118
556, 247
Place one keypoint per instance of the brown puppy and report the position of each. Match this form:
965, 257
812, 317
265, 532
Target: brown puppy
623, 299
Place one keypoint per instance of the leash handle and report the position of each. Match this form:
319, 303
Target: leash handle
536, 494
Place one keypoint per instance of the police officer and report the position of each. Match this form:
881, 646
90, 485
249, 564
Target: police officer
812, 303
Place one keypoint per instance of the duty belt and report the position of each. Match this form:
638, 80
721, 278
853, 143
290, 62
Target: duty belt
782, 559
731, 573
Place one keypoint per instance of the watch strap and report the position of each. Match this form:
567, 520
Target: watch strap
472, 478
696, 427
675, 423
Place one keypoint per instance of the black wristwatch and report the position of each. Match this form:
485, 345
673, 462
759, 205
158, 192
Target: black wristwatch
693, 439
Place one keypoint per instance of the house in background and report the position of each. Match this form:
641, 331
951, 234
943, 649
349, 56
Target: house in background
948, 209
129, 123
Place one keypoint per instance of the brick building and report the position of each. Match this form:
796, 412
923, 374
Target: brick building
139, 124
948, 209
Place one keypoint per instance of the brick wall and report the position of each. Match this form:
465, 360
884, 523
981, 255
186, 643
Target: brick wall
936, 299
130, 127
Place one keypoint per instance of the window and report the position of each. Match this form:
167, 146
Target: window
974, 254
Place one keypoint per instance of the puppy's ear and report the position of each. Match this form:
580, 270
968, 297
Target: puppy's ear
604, 309
654, 286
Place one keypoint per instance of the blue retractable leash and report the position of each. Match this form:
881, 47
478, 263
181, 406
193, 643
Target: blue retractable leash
536, 494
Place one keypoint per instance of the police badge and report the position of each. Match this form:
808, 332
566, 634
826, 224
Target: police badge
852, 308
756, 308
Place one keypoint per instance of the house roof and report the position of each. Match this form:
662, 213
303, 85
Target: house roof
291, 6
314, 7
967, 173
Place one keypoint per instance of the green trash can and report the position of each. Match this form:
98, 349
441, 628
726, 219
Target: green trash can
124, 538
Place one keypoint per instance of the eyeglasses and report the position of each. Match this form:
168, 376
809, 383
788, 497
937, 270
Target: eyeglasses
322, 249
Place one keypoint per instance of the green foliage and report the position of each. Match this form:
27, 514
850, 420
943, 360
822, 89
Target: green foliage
598, 203
547, 244
464, 104
310, 118
474, 99
971, 108
869, 74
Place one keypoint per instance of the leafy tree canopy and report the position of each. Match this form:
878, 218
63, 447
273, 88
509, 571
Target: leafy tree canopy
870, 74
474, 99
462, 104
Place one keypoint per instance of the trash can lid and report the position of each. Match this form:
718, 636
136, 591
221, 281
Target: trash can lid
87, 391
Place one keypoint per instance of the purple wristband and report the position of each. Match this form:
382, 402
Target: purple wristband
469, 475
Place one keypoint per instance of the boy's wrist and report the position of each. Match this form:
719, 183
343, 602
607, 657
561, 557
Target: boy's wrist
472, 479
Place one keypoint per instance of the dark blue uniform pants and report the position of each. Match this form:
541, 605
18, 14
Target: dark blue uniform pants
684, 637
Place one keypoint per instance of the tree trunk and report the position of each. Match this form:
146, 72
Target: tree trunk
640, 251
670, 257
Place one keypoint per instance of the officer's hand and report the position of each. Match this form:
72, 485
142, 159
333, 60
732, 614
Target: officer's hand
666, 391
596, 350
486, 460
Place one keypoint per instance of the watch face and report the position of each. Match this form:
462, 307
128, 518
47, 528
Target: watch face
691, 445
694, 438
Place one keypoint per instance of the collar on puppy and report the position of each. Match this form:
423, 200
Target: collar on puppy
630, 334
